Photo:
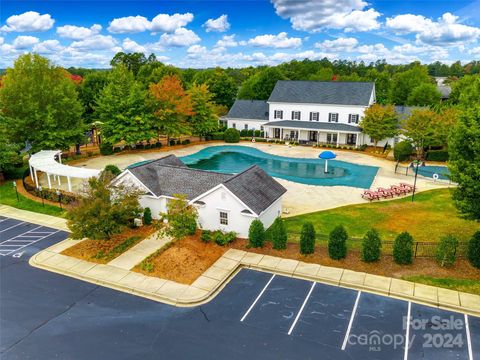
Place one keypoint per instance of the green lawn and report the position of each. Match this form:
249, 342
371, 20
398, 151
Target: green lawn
431, 216
465, 285
8, 197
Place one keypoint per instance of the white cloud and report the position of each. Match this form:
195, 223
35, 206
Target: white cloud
96, 42
48, 47
161, 22
196, 50
445, 31
436, 52
129, 24
220, 24
181, 37
280, 41
316, 15
475, 51
78, 32
170, 23
131, 46
28, 21
227, 41
338, 45
25, 42
2, 40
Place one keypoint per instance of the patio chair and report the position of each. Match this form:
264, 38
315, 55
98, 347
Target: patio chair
371, 195
386, 192
407, 186
399, 190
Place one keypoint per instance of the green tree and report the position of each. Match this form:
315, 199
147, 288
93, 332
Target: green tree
220, 84
121, 109
380, 122
402, 151
307, 239
147, 216
404, 82
256, 234
464, 162
337, 243
132, 61
203, 121
383, 82
424, 95
403, 249
473, 252
323, 74
182, 217
103, 211
9, 151
465, 91
371, 246
40, 104
279, 234
419, 128
261, 85
446, 253
89, 90
444, 123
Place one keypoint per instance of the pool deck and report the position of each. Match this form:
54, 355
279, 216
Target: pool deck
300, 198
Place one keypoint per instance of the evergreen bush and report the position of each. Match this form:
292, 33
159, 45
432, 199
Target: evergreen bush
307, 239
473, 252
106, 149
446, 253
147, 216
279, 234
403, 249
206, 236
337, 243
231, 136
371, 246
112, 169
402, 151
256, 234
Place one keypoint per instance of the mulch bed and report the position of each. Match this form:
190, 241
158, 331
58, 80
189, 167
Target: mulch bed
86, 250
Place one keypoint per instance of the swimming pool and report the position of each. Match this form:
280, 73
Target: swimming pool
234, 159
428, 171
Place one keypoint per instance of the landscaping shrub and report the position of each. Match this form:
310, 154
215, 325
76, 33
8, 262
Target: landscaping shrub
186, 142
244, 133
402, 151
147, 216
250, 133
117, 149
158, 144
256, 233
257, 133
307, 238
181, 217
206, 236
217, 136
473, 252
231, 135
139, 146
447, 251
127, 147
172, 142
147, 146
222, 238
371, 246
112, 169
437, 155
278, 234
403, 249
106, 149
337, 243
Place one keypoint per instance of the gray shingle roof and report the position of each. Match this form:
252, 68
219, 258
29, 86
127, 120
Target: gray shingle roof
255, 188
313, 125
249, 109
167, 160
322, 92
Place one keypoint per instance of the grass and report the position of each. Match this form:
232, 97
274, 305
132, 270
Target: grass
429, 217
465, 285
8, 197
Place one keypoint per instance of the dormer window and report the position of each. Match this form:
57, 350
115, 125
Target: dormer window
278, 114
295, 115
333, 117
314, 116
353, 118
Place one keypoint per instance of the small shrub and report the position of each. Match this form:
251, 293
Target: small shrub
257, 133
337, 243
403, 249
447, 251
279, 234
117, 149
140, 146
437, 155
186, 142
106, 149
127, 147
158, 144
223, 239
182, 217
256, 234
402, 151
147, 216
147, 146
244, 133
172, 142
206, 236
231, 135
250, 133
371, 246
473, 251
363, 147
307, 239
217, 136
112, 169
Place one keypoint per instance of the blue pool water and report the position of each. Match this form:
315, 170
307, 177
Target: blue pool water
429, 171
234, 159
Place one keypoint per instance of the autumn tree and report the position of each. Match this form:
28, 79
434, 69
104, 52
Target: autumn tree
380, 122
419, 127
203, 120
172, 106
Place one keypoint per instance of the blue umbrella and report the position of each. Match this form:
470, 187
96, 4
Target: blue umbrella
327, 155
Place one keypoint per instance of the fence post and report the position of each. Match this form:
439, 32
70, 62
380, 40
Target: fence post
416, 248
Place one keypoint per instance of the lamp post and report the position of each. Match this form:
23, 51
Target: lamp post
59, 194
16, 190
416, 163
41, 195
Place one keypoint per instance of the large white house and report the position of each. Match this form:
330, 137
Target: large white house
224, 202
309, 112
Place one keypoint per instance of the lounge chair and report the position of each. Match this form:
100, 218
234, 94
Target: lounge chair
399, 190
371, 195
386, 192
407, 186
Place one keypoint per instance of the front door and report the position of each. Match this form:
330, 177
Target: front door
276, 133
331, 138
294, 135
351, 139
313, 136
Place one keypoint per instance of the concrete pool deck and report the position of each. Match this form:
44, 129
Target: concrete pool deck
300, 198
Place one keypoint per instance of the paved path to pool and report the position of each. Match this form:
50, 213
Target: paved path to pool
300, 198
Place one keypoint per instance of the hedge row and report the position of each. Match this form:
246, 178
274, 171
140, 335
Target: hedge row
437, 155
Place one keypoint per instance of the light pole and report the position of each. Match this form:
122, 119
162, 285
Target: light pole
416, 163
41, 195
16, 190
59, 194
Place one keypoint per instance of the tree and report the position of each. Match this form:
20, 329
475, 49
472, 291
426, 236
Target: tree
172, 106
9, 151
112, 169
464, 162
220, 84
371, 246
261, 85
473, 252
403, 249
404, 82
132, 61
307, 239
446, 253
147, 216
380, 122
465, 91
279, 234
121, 109
256, 234
89, 90
182, 217
103, 211
203, 121
40, 105
419, 129
337, 243
443, 124
425, 94
402, 151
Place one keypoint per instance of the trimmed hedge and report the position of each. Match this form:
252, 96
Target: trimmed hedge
437, 155
403, 249
474, 250
217, 136
231, 135
402, 151
337, 243
256, 234
307, 239
113, 169
447, 251
147, 216
106, 149
279, 234
371, 246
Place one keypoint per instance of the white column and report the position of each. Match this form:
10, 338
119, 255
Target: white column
338, 138
35, 176
58, 180
60, 158
31, 172
49, 182
357, 139
69, 184
318, 137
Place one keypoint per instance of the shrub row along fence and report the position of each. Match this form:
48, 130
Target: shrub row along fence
48, 194
420, 248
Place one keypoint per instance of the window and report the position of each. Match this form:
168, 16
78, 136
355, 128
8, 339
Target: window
234, 125
261, 128
314, 116
332, 138
278, 114
223, 218
353, 118
295, 115
333, 117
245, 126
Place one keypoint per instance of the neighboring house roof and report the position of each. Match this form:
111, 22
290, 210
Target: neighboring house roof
445, 90
249, 109
167, 160
404, 112
313, 125
322, 92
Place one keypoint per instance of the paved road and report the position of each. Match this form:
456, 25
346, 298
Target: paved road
256, 316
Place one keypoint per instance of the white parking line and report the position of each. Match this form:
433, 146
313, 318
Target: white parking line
258, 297
11, 227
23, 246
469, 340
26, 232
407, 331
347, 334
301, 309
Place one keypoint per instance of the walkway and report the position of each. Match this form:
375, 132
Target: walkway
36, 218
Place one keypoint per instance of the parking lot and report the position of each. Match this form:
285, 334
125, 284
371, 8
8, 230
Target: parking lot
257, 315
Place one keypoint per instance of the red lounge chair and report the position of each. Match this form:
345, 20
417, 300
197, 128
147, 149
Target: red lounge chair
371, 195
407, 186
399, 190
386, 192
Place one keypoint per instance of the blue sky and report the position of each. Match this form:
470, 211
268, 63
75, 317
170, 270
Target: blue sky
241, 33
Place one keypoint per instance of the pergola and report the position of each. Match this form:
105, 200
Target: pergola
46, 162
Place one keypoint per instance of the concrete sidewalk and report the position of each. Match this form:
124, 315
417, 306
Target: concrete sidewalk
33, 217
